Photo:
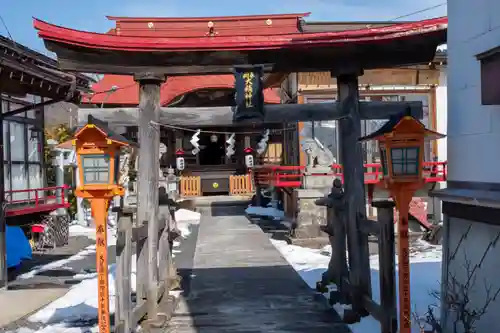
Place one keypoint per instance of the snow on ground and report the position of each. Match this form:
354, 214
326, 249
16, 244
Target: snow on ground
425, 276
74, 230
79, 304
265, 211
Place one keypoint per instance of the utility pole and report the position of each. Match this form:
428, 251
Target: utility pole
3, 222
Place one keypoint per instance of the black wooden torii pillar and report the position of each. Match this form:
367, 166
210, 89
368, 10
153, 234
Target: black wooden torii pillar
345, 54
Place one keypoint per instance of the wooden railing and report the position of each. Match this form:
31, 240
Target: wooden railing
240, 185
153, 282
290, 176
36, 200
190, 186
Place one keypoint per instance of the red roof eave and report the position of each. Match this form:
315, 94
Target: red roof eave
92, 40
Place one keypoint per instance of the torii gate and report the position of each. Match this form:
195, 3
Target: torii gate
343, 53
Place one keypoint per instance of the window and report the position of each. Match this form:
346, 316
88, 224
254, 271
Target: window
17, 141
22, 152
6, 179
383, 157
95, 169
19, 182
35, 177
33, 145
490, 71
325, 131
404, 161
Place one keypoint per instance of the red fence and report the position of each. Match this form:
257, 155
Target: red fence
291, 176
28, 201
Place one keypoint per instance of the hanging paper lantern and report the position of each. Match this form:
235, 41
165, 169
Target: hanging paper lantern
249, 162
179, 160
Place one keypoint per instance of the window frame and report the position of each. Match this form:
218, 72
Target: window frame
404, 161
8, 104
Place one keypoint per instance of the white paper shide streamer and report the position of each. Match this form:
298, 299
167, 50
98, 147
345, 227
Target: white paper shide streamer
262, 145
194, 142
230, 145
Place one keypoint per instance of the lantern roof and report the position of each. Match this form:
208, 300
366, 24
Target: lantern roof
102, 127
403, 124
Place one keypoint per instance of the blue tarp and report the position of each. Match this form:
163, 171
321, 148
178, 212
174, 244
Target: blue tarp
18, 246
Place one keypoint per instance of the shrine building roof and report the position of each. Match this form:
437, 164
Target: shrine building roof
123, 90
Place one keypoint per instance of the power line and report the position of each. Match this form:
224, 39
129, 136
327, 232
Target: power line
6, 28
420, 11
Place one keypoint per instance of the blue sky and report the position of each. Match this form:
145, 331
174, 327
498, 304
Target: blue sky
90, 14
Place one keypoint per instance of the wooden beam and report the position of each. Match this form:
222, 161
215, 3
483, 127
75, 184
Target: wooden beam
351, 158
147, 208
312, 81
223, 116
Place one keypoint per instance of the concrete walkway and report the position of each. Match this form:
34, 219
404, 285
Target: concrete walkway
27, 295
241, 283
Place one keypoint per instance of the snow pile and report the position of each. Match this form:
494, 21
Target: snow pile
184, 219
76, 229
78, 305
425, 277
271, 212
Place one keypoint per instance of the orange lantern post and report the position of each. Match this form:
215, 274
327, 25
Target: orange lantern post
98, 156
401, 144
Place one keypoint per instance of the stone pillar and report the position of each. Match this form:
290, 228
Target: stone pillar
80, 210
59, 169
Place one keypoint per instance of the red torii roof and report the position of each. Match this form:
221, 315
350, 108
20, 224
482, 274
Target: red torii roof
91, 40
127, 90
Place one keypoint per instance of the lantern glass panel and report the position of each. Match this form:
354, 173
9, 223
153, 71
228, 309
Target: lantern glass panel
95, 169
405, 161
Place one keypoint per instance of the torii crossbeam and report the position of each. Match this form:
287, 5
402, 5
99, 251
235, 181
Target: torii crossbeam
223, 116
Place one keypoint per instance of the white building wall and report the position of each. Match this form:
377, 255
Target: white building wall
473, 156
442, 114
473, 129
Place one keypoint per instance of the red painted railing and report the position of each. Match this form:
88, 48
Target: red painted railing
35, 200
292, 176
